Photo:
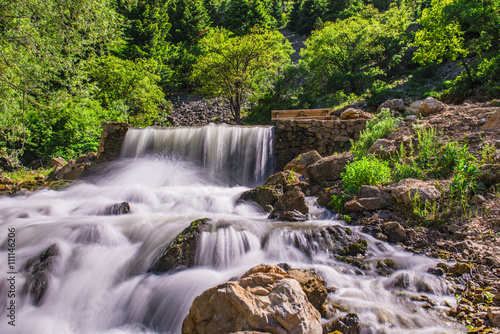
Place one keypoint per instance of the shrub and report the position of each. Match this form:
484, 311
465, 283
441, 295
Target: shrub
338, 202
403, 171
366, 171
381, 126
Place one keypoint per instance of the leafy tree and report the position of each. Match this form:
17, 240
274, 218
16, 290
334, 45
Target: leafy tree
235, 67
146, 32
129, 87
43, 48
441, 36
350, 51
243, 15
189, 19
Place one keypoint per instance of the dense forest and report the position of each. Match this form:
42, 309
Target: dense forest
68, 65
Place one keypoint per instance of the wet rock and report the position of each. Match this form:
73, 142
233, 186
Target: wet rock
38, 272
345, 325
71, 171
302, 161
436, 271
265, 196
57, 162
292, 200
117, 209
180, 254
430, 106
313, 286
329, 168
395, 232
112, 136
387, 264
266, 298
287, 180
493, 123
393, 104
460, 268
291, 216
382, 148
494, 316
408, 190
353, 113
356, 248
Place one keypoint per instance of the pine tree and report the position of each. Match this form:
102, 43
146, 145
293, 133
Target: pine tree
189, 19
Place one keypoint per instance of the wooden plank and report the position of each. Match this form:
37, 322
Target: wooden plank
304, 113
300, 114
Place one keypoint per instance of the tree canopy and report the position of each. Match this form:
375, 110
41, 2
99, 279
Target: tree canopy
234, 67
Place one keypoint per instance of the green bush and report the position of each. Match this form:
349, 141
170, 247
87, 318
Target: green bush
366, 171
403, 171
338, 202
381, 126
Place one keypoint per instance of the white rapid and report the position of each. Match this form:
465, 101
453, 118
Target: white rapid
99, 282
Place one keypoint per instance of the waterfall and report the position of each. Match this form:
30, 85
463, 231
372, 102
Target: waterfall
242, 154
96, 277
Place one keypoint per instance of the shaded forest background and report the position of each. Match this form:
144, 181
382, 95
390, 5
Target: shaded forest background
68, 65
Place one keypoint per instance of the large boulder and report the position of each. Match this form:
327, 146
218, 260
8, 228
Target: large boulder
283, 194
382, 148
287, 180
345, 325
393, 104
313, 286
293, 199
302, 161
264, 299
493, 123
329, 168
353, 113
430, 106
409, 190
181, 252
265, 196
38, 271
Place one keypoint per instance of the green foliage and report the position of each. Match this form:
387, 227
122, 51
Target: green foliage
380, 126
236, 67
351, 54
366, 171
68, 128
146, 32
338, 202
188, 19
403, 171
131, 85
242, 15
465, 180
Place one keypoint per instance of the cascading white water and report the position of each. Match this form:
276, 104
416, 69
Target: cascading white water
242, 154
99, 282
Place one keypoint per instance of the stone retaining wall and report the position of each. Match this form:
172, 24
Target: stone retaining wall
293, 137
112, 136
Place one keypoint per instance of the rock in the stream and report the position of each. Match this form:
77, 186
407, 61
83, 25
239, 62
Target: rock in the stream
117, 209
302, 161
283, 194
181, 252
37, 273
264, 299
313, 286
265, 196
292, 200
345, 325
